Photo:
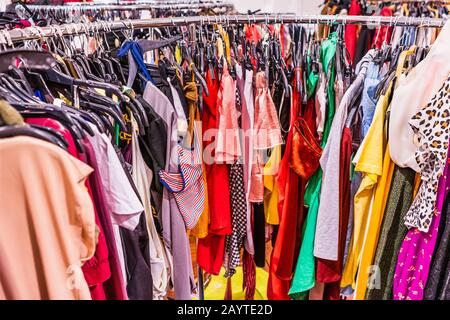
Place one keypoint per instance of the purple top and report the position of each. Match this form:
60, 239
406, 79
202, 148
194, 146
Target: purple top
174, 230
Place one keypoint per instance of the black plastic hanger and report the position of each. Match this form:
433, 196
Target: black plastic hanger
16, 130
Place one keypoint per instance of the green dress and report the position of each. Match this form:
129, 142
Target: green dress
304, 275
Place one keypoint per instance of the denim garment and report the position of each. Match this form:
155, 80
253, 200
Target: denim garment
368, 100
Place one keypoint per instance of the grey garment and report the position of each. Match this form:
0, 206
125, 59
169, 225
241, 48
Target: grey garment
326, 243
146, 45
132, 70
393, 231
174, 230
354, 186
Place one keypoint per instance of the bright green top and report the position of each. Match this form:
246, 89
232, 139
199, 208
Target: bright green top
305, 274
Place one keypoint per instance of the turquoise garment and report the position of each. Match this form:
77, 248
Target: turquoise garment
328, 52
305, 273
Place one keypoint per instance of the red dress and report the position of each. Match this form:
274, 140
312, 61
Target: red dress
210, 250
351, 30
290, 205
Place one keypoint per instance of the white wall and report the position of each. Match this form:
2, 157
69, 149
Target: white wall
279, 6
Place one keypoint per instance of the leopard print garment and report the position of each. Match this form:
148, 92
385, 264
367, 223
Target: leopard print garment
431, 125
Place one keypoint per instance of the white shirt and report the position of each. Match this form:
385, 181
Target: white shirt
413, 92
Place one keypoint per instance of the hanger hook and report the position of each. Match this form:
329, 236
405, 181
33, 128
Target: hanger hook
75, 28
335, 18
3, 39
132, 28
8, 39
40, 33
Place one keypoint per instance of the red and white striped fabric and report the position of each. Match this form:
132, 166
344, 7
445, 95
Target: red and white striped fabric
187, 186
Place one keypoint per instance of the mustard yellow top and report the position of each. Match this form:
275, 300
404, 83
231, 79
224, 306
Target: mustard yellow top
271, 192
370, 164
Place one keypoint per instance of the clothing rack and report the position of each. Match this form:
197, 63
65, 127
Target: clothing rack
135, 7
123, 2
35, 33
409, 1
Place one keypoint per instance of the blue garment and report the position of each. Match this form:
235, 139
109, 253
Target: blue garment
408, 37
38, 93
368, 100
136, 52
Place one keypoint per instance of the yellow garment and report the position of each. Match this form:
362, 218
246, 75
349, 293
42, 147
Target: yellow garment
178, 57
201, 228
379, 202
271, 191
69, 65
370, 164
10, 115
63, 98
376, 218
417, 182
226, 41
218, 285
191, 94
219, 45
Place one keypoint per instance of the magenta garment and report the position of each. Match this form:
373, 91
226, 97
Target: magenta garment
414, 258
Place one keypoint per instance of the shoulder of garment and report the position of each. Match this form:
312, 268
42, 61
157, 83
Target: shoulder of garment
36, 153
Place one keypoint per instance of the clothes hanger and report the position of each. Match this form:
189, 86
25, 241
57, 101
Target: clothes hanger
105, 57
75, 129
103, 111
40, 109
90, 99
280, 66
9, 84
34, 132
186, 54
52, 132
90, 117
20, 76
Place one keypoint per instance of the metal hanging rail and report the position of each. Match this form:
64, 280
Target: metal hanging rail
408, 1
34, 33
132, 7
135, 5
124, 2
